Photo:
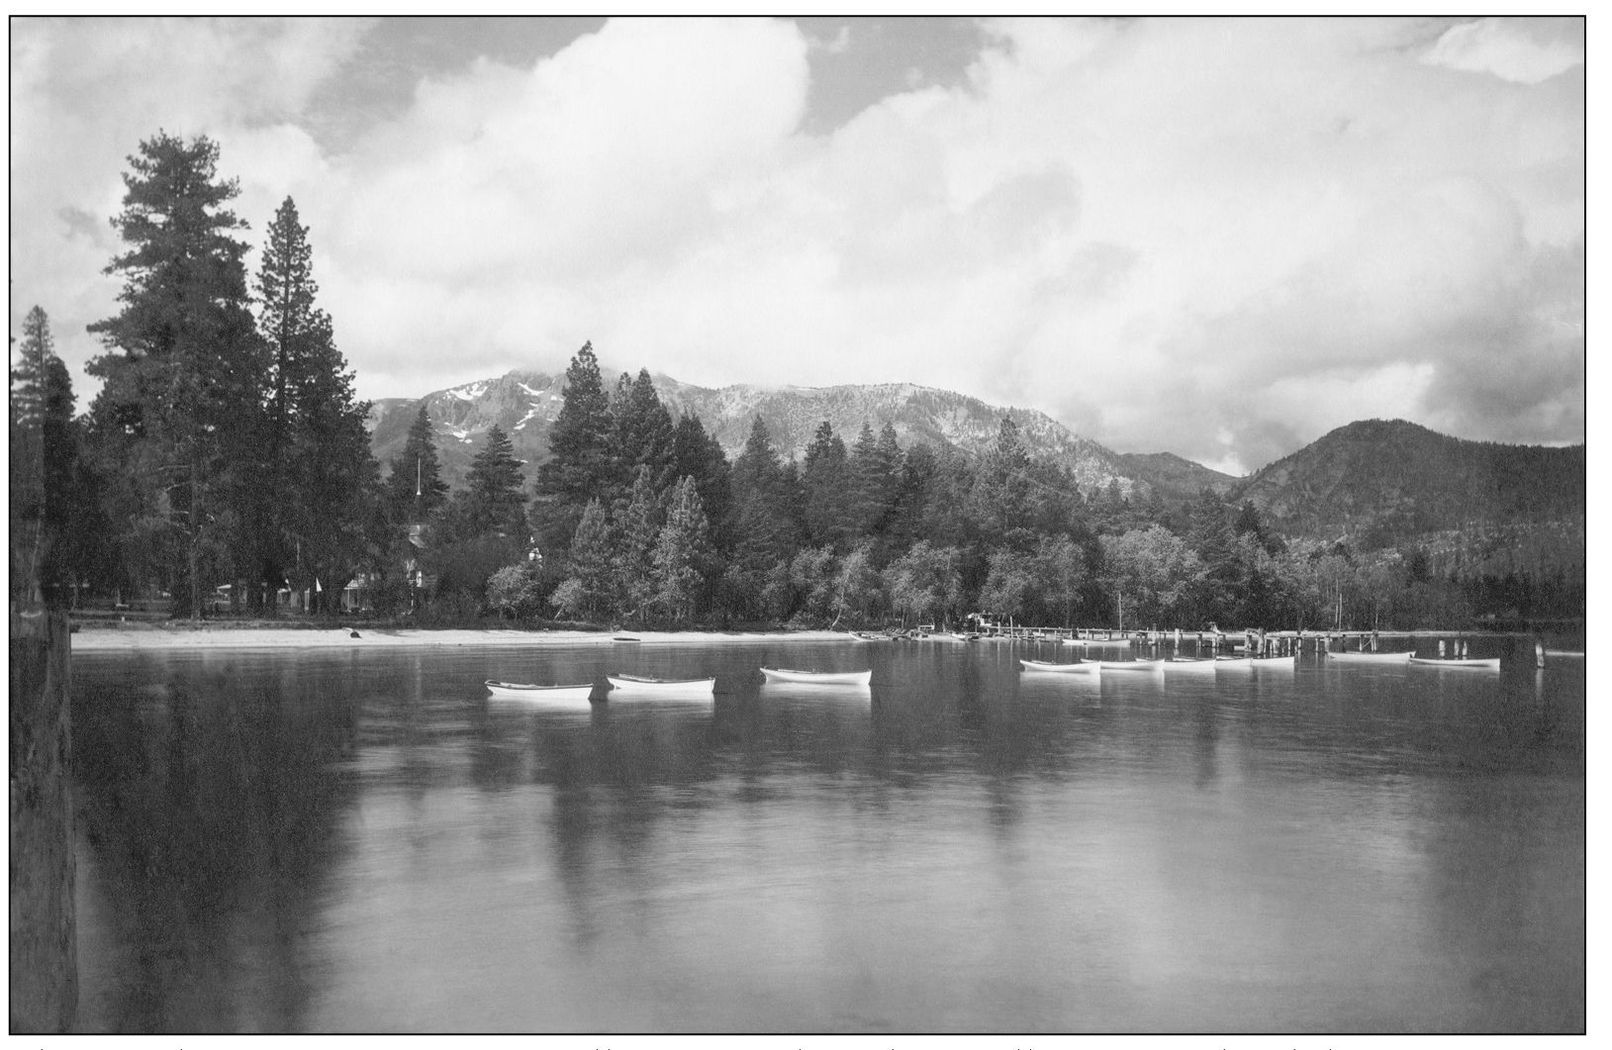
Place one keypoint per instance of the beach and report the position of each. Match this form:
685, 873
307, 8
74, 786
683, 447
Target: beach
121, 637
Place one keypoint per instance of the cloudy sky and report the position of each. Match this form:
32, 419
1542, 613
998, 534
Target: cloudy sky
1215, 237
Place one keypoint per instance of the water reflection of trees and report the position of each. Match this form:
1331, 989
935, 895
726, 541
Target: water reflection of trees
209, 803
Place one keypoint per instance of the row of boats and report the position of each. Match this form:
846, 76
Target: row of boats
1249, 663
703, 687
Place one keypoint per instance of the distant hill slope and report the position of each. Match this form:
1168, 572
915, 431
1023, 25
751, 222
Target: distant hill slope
1171, 473
1382, 482
525, 404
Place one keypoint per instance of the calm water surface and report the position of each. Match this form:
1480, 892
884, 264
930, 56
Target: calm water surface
365, 841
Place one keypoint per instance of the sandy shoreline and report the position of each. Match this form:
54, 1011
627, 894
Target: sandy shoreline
109, 638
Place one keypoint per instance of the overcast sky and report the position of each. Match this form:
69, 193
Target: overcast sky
1214, 237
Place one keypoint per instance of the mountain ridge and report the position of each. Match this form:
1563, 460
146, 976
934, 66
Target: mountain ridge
524, 404
1369, 483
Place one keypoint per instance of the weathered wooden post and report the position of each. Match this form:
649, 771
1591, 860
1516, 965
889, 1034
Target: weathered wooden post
44, 954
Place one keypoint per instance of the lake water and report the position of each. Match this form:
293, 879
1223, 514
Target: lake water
367, 842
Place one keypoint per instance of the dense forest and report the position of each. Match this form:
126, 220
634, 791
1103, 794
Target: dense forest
224, 465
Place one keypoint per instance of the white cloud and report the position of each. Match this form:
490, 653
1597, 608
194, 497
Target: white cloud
1526, 50
1217, 237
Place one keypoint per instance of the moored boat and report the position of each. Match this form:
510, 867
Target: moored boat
1130, 665
1234, 663
1206, 665
1457, 663
784, 674
868, 636
1090, 667
524, 691
625, 638
1272, 663
1369, 658
633, 683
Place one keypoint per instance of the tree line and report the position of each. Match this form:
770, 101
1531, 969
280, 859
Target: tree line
227, 446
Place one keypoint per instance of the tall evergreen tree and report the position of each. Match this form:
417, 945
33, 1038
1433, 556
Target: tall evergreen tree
494, 500
57, 530
699, 456
644, 434
182, 388
826, 489
638, 525
763, 528
320, 475
415, 486
582, 463
589, 590
683, 553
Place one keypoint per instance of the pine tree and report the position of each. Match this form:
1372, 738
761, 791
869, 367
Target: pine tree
320, 477
415, 486
763, 530
54, 526
826, 485
638, 523
182, 386
699, 456
589, 590
494, 500
683, 553
644, 435
581, 466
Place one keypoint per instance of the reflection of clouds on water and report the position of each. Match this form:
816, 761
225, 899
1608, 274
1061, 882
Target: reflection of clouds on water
372, 842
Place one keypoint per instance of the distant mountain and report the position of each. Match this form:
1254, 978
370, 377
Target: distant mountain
525, 404
1173, 475
1377, 483
1372, 483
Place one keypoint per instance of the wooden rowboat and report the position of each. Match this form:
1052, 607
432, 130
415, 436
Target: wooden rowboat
1194, 666
1090, 667
523, 691
632, 683
1272, 663
784, 674
1369, 658
1454, 664
1131, 665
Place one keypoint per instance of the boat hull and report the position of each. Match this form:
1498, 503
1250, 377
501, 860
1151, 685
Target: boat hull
1190, 666
1136, 666
634, 684
1456, 665
546, 693
1085, 667
783, 674
1369, 658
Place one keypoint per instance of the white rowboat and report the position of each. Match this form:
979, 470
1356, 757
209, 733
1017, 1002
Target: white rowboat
1492, 664
522, 691
1370, 658
632, 683
784, 674
1272, 663
1131, 665
1045, 666
1195, 666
